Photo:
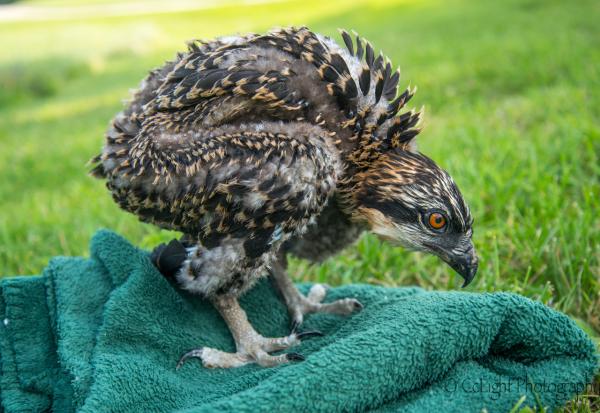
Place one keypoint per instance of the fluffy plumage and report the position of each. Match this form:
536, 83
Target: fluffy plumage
258, 145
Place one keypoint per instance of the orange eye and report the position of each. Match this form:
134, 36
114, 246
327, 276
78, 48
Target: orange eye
437, 220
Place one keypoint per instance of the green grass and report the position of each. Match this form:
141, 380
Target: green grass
512, 97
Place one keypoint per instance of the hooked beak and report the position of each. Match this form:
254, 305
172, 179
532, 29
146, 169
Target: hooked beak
464, 263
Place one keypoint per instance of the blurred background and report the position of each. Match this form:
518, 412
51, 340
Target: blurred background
512, 111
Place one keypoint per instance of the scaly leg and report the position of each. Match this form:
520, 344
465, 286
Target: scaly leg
298, 305
251, 346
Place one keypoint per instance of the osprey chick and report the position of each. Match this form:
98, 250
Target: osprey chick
261, 145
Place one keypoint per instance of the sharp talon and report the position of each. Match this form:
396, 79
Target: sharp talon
295, 357
308, 334
295, 325
196, 353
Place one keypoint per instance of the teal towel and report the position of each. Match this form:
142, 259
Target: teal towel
104, 335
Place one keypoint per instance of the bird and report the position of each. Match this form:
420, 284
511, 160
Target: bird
260, 146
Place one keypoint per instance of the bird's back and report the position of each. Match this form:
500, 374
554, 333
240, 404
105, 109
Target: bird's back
194, 123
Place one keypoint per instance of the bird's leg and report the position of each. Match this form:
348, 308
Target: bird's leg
251, 346
298, 305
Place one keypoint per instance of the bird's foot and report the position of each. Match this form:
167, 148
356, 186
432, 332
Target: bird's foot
253, 348
299, 305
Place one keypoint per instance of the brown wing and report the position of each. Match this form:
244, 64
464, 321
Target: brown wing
258, 186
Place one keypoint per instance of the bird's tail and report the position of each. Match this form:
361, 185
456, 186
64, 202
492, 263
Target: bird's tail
169, 258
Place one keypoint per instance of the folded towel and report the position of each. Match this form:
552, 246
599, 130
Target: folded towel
105, 333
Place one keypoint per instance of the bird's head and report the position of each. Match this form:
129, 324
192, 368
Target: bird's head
404, 197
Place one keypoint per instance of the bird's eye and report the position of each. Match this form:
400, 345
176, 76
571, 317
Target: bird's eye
437, 221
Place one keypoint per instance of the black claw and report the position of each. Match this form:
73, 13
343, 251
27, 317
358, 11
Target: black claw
358, 306
195, 353
295, 357
308, 334
295, 325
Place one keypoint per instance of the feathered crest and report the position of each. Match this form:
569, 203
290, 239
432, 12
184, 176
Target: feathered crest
376, 80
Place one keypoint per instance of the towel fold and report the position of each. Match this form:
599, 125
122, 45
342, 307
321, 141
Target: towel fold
104, 335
